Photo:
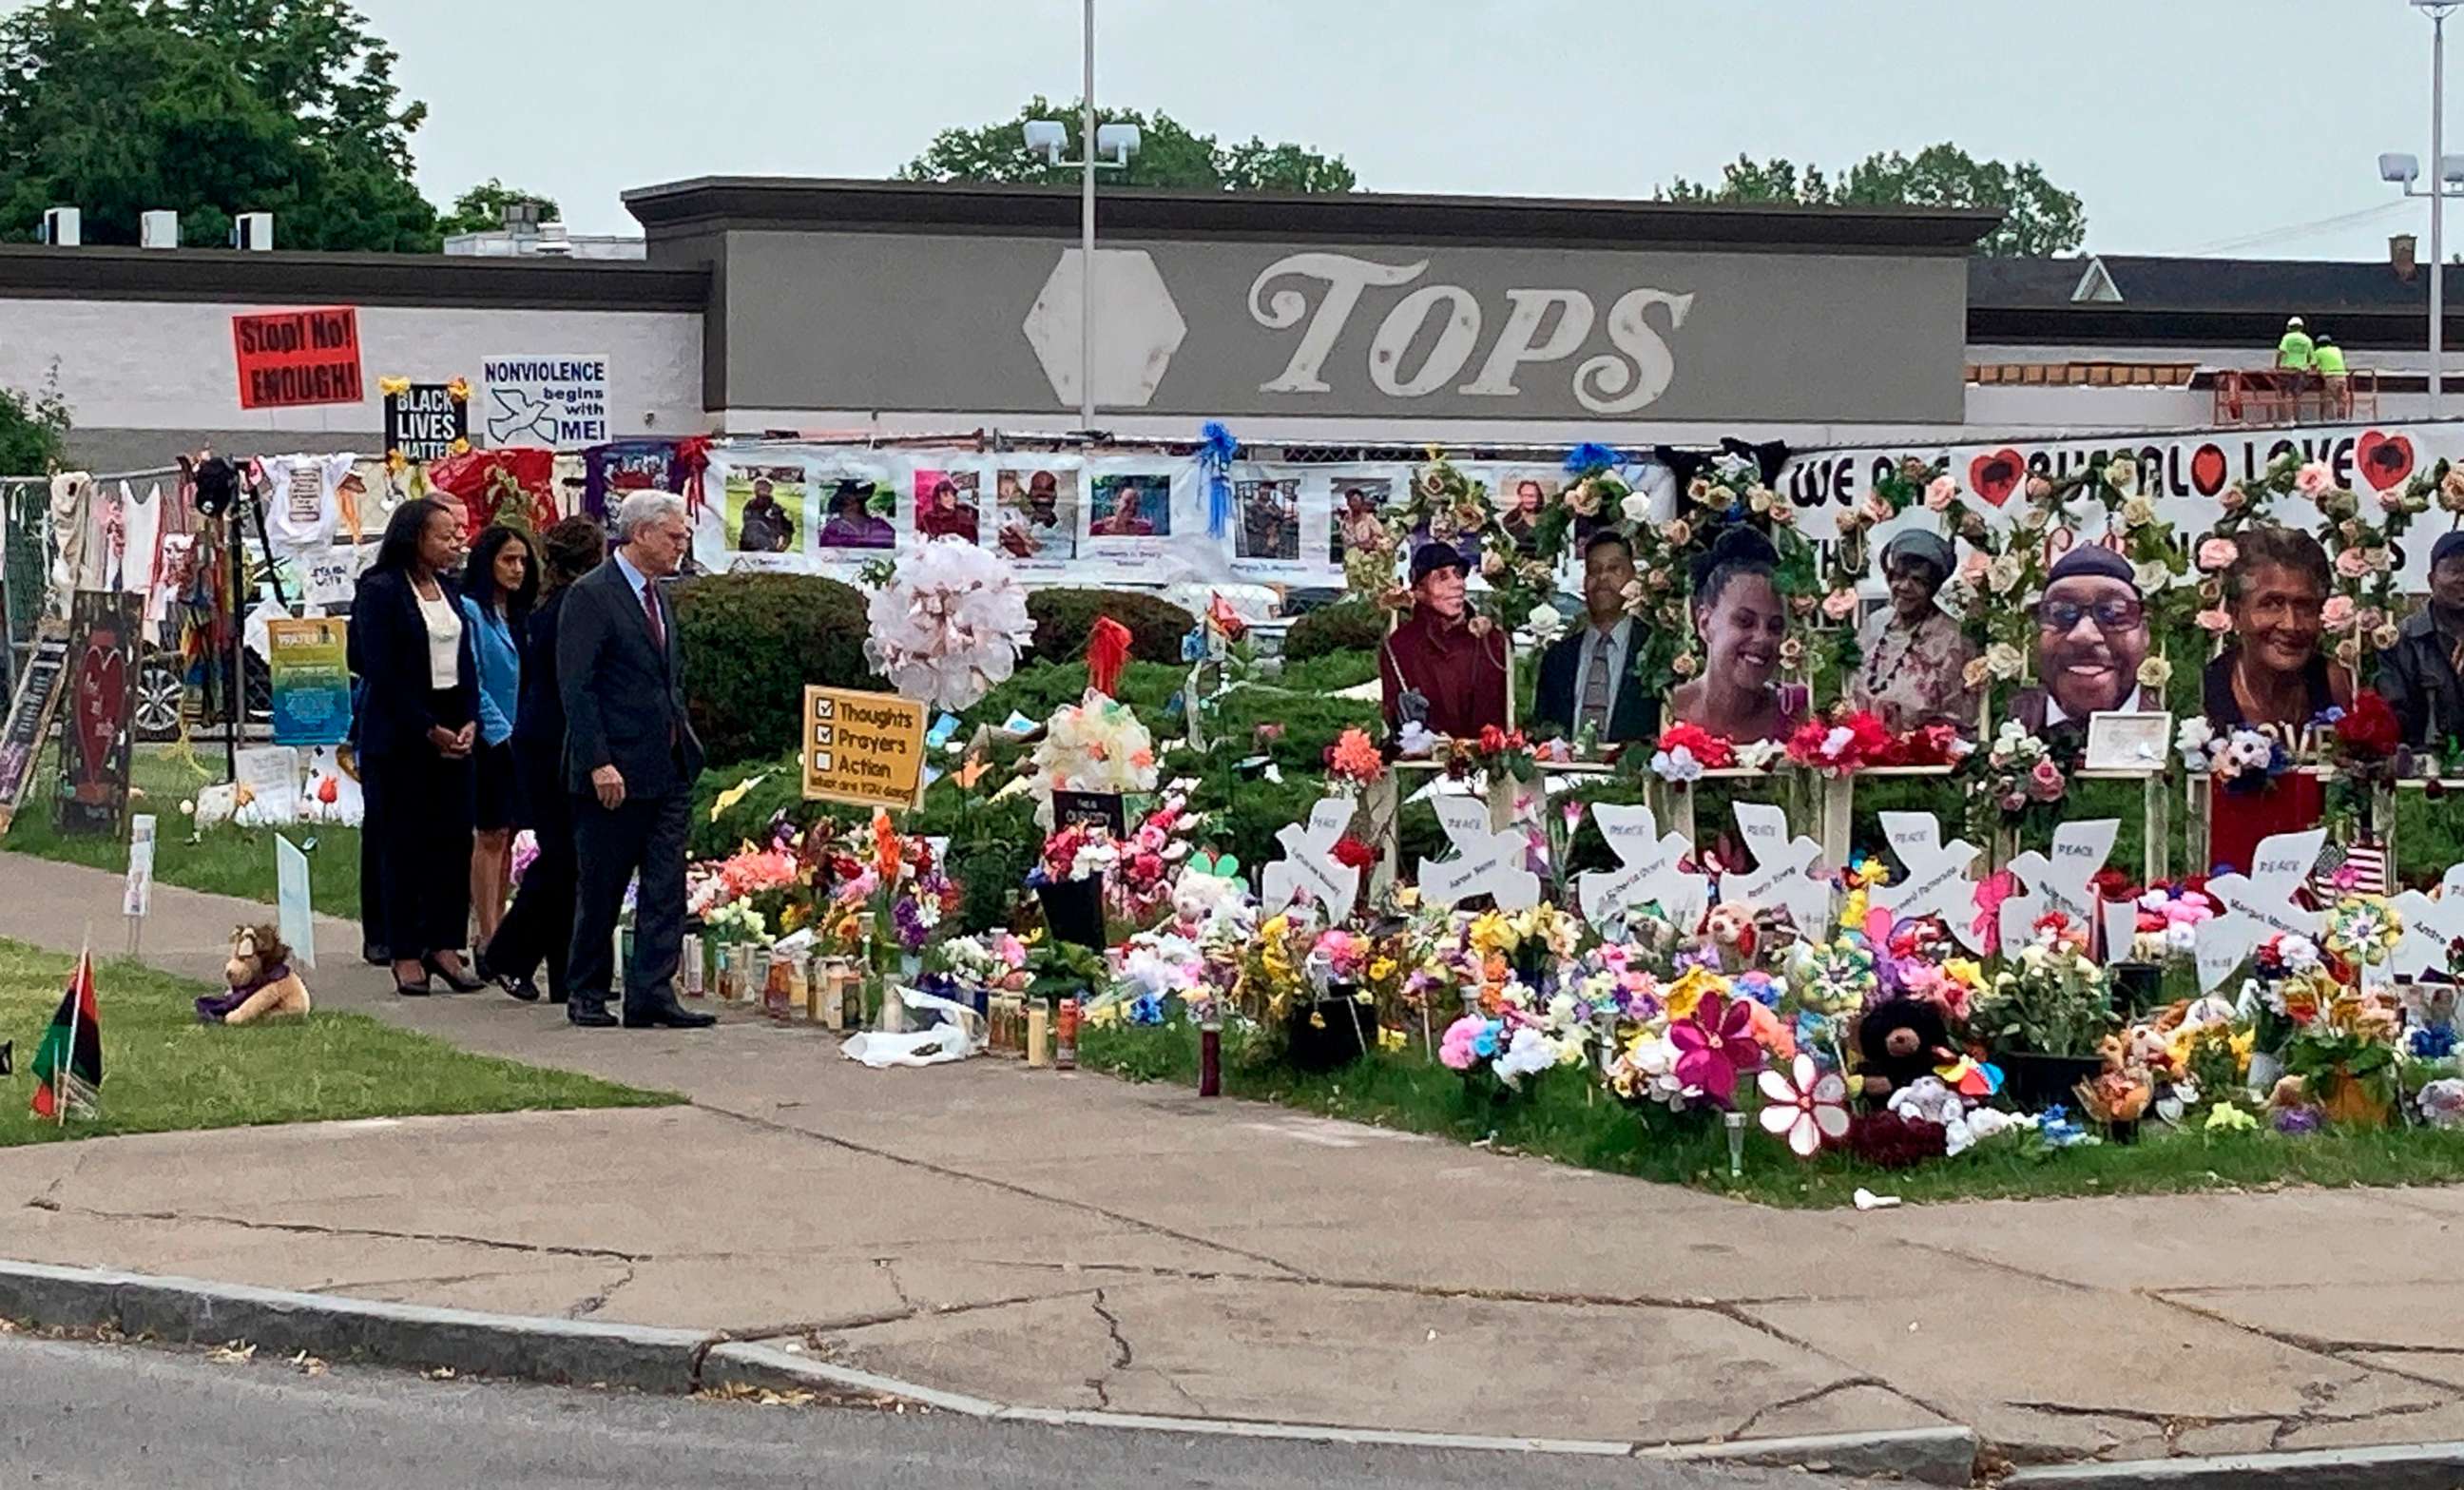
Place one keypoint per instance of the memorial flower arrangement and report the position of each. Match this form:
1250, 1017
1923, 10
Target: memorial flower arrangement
2363, 929
1096, 744
1354, 761
2169, 914
1849, 738
2016, 781
949, 624
2240, 760
748, 872
993, 963
2049, 998
1081, 851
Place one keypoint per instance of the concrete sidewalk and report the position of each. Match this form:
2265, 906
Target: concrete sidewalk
1076, 1243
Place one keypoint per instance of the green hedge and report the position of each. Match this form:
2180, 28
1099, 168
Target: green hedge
1345, 626
751, 644
1064, 618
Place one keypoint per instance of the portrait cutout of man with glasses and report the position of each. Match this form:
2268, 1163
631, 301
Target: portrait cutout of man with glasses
2091, 637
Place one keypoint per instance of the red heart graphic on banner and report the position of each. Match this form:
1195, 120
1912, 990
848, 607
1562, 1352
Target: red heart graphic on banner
2208, 471
1995, 476
2385, 459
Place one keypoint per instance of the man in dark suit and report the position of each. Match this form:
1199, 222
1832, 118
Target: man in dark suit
1587, 677
631, 757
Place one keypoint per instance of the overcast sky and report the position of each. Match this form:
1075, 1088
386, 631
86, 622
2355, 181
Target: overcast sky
2242, 126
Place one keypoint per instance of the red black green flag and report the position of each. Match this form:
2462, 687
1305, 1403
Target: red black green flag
68, 1065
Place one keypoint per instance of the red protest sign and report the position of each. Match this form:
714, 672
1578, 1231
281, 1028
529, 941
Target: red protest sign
289, 359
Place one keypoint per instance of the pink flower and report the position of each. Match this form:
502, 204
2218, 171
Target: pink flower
2233, 499
1877, 510
1972, 569
1454, 1050
2314, 478
2214, 620
2217, 554
1715, 1046
2337, 613
1940, 493
2045, 781
1840, 604
2353, 564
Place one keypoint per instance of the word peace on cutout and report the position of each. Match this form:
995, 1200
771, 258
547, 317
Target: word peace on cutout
1622, 381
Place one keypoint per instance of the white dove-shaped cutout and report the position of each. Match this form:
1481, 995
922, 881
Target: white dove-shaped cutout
2258, 904
1309, 868
2058, 883
1647, 871
1786, 872
1485, 861
2430, 926
1939, 879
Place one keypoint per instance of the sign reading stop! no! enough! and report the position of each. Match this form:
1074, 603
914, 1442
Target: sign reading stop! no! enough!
293, 359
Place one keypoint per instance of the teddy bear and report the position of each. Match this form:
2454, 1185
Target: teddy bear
261, 982
1899, 1041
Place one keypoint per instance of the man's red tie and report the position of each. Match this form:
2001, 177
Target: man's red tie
658, 628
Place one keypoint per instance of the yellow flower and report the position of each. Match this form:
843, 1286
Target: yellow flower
2225, 1118
1491, 932
1687, 991
1852, 910
1389, 1038
1964, 971
1381, 969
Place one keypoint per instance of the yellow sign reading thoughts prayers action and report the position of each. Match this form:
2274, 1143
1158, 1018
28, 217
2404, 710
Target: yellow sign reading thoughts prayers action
865, 748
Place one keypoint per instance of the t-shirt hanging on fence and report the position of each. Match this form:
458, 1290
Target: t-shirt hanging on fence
140, 539
302, 498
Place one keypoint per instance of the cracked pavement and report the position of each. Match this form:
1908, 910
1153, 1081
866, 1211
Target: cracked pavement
1070, 1242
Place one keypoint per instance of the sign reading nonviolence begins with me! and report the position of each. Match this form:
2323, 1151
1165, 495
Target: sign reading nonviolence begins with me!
556, 403
865, 748
293, 359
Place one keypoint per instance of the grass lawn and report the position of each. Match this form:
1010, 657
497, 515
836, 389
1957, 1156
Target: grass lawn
1564, 1117
163, 1071
228, 860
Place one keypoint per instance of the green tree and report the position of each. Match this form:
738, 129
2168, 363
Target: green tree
1170, 155
34, 429
213, 109
2037, 216
482, 207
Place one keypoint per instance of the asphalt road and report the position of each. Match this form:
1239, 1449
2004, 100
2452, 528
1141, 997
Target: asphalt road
101, 1417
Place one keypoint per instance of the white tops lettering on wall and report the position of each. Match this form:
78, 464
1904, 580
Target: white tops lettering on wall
1637, 370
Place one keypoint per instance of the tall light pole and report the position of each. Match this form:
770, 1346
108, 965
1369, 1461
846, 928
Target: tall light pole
1105, 148
1087, 239
2439, 11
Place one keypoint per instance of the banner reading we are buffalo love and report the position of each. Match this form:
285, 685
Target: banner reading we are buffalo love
2183, 472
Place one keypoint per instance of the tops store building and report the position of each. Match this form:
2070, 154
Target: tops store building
853, 310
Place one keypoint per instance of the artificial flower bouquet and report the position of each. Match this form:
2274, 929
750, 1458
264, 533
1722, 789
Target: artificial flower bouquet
1078, 852
2240, 760
1686, 751
2017, 779
1848, 740
995, 963
2346, 1057
1096, 744
2049, 998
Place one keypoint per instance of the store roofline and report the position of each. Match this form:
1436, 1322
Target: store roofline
713, 203
37, 272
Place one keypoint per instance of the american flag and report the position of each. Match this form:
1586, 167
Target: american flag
2367, 862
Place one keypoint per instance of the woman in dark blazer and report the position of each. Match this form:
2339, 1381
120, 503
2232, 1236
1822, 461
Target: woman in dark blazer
417, 712
539, 930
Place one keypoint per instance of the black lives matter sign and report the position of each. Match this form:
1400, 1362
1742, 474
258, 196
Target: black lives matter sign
291, 359
423, 421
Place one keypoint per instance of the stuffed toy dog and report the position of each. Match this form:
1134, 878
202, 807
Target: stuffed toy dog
262, 984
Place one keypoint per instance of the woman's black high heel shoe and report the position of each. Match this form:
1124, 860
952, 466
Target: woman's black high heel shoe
459, 985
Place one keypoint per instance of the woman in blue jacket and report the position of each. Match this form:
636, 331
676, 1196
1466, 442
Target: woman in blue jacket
498, 585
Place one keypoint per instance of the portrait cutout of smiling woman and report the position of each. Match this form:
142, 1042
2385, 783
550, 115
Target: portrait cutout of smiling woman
1740, 621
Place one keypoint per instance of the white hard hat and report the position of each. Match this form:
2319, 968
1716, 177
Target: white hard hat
2293, 324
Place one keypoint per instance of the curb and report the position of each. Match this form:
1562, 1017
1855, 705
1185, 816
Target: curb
2428, 1466
191, 1311
1927, 1455
646, 1357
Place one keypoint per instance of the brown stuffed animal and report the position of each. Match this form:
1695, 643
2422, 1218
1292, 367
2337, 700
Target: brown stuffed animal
262, 984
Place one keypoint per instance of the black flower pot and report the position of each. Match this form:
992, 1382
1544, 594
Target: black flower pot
2034, 1082
1330, 1033
2137, 987
1074, 911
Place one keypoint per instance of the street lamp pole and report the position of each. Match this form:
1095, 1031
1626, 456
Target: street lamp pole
1086, 246
2437, 206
